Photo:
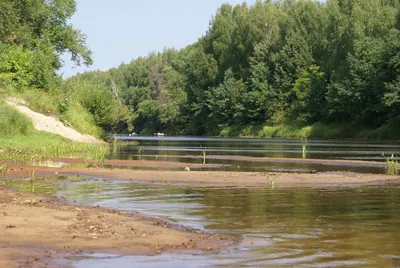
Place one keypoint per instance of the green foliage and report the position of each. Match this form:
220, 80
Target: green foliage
93, 101
139, 152
392, 165
3, 168
96, 156
33, 36
223, 101
203, 153
41, 101
304, 148
41, 145
16, 66
309, 90
277, 68
12, 122
80, 119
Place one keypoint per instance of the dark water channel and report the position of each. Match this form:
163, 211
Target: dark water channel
304, 227
227, 150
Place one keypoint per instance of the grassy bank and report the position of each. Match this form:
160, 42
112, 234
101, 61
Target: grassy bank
318, 130
41, 145
69, 111
19, 141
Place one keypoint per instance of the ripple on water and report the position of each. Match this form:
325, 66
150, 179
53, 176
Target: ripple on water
305, 227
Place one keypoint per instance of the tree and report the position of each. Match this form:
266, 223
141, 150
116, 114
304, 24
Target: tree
41, 29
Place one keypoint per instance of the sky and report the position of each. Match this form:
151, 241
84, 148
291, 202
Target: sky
121, 30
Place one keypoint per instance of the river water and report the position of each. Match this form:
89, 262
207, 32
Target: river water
354, 226
351, 226
228, 151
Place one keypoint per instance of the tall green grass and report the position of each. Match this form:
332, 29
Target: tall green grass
41, 145
81, 120
70, 112
392, 165
40, 101
12, 122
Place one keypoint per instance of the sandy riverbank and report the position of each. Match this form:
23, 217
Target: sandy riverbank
209, 178
35, 233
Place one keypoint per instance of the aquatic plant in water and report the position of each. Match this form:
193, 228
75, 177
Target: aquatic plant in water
139, 152
96, 155
32, 181
304, 147
271, 183
3, 169
203, 153
392, 165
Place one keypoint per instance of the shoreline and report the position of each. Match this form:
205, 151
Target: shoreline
207, 178
171, 164
39, 230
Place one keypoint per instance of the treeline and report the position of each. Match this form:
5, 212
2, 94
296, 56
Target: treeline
277, 62
292, 63
34, 36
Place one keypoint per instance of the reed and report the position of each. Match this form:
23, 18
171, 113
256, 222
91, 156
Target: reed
3, 168
304, 147
139, 152
32, 181
203, 153
392, 165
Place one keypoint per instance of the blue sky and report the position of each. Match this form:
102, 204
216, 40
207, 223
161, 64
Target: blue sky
121, 30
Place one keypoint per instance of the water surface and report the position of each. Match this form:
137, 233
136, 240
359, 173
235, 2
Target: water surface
305, 227
192, 150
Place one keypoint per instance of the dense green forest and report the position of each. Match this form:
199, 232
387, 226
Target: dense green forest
277, 68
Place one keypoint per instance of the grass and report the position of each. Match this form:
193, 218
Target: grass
32, 181
12, 122
40, 101
41, 145
20, 142
71, 113
3, 169
392, 165
97, 156
139, 152
203, 153
81, 120
271, 182
304, 147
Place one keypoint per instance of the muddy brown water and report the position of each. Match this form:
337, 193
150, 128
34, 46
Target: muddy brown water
226, 151
353, 226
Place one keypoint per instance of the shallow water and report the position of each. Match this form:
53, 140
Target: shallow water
190, 149
304, 227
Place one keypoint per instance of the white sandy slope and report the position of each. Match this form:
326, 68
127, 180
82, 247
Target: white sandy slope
50, 124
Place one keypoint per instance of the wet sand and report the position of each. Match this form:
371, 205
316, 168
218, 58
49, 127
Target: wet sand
209, 178
170, 164
35, 235
326, 162
40, 232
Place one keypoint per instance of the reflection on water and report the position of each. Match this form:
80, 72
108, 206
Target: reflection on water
190, 149
305, 227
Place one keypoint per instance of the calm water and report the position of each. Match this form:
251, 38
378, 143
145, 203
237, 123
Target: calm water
305, 227
223, 150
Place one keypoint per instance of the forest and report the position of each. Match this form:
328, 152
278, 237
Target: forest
276, 68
